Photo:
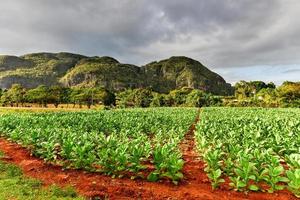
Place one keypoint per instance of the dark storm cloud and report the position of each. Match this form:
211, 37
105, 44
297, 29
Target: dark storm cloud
220, 33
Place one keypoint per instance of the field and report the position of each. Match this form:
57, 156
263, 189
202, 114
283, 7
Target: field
258, 149
112, 142
250, 150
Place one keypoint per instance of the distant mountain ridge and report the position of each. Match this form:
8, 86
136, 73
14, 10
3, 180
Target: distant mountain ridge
71, 70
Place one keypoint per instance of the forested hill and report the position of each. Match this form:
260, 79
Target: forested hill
70, 70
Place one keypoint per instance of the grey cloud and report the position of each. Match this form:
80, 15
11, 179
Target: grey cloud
221, 33
291, 71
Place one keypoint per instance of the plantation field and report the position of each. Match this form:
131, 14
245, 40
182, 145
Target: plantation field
241, 149
258, 149
113, 142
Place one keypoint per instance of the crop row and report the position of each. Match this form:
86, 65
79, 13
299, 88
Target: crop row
115, 142
258, 149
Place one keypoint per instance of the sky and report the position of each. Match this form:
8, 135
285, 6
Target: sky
239, 39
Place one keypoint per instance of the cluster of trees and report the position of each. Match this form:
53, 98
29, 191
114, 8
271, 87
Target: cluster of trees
143, 97
244, 89
179, 97
43, 95
254, 93
258, 93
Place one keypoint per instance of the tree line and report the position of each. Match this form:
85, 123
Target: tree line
56, 95
258, 93
253, 93
143, 97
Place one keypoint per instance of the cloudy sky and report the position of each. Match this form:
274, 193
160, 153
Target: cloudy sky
239, 39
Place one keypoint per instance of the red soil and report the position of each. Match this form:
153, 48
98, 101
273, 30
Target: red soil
92, 185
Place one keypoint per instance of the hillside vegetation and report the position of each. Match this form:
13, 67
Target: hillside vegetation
69, 70
35, 69
179, 72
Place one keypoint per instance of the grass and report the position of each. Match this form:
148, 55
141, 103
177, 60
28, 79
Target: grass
50, 108
15, 186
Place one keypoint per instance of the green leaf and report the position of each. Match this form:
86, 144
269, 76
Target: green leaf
279, 187
241, 184
252, 177
283, 179
179, 175
217, 173
278, 170
153, 177
254, 187
221, 181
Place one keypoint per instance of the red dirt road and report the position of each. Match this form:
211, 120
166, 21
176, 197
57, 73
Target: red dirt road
195, 185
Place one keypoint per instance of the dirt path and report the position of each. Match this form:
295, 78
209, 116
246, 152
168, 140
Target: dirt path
193, 167
95, 186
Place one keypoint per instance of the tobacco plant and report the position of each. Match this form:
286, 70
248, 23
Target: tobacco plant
251, 146
115, 142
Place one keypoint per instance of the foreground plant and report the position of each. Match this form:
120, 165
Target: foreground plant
251, 146
215, 177
115, 142
294, 181
167, 162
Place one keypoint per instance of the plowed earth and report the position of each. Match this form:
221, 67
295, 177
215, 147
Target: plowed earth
97, 186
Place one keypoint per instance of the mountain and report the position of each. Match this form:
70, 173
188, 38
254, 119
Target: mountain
71, 70
180, 71
103, 71
35, 69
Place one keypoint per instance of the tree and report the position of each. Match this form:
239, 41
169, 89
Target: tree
158, 100
16, 95
92, 96
58, 95
244, 89
6, 99
211, 100
82, 96
268, 96
271, 85
179, 95
75, 98
289, 93
124, 99
38, 95
196, 98
105, 97
256, 86
66, 95
55, 95
141, 97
